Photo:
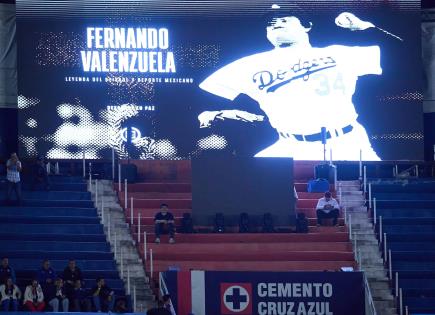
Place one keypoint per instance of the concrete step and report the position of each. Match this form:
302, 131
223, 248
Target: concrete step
383, 304
382, 294
387, 311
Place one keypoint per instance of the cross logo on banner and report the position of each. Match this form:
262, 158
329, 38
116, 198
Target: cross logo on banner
236, 298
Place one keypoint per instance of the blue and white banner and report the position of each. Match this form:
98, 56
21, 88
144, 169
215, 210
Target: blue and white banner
271, 293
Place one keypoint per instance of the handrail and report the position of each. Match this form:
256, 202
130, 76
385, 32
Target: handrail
369, 297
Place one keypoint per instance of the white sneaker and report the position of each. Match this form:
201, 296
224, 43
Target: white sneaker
171, 241
157, 241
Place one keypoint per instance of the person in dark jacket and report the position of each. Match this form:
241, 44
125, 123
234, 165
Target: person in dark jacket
46, 275
55, 296
6, 271
103, 296
70, 274
80, 298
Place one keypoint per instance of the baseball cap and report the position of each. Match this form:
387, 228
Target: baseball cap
278, 10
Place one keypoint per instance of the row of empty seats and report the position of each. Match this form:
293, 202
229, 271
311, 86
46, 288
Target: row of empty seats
58, 225
407, 208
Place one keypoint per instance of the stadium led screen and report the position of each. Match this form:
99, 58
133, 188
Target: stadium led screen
175, 79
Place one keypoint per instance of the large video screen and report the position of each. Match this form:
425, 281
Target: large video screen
179, 79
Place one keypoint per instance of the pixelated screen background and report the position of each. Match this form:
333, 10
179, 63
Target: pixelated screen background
61, 116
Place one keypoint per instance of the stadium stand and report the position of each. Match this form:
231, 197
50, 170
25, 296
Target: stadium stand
58, 225
323, 248
405, 210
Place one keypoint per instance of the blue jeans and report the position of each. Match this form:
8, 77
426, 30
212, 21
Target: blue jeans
10, 303
17, 188
99, 302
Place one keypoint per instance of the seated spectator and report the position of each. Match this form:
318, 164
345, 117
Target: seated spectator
103, 296
34, 297
164, 220
40, 175
327, 207
9, 294
80, 298
159, 310
6, 271
71, 274
55, 296
46, 275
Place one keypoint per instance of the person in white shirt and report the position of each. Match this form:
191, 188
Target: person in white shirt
34, 297
10, 294
327, 207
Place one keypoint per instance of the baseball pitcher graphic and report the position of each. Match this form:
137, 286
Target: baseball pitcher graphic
301, 89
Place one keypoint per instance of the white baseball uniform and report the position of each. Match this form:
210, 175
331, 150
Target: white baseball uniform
301, 90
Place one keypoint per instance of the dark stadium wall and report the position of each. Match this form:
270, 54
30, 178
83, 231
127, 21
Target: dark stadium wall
8, 110
429, 136
8, 131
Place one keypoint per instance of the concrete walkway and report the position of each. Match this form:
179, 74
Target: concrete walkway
366, 246
123, 246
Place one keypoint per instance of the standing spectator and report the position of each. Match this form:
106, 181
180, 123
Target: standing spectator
41, 175
103, 296
9, 294
55, 296
164, 220
327, 207
14, 167
6, 271
34, 297
70, 274
79, 298
46, 275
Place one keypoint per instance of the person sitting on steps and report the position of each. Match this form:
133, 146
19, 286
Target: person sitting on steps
164, 220
327, 207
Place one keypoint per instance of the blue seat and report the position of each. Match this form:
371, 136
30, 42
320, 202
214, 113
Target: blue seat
422, 305
54, 246
51, 228
32, 264
49, 211
57, 255
408, 221
409, 246
53, 195
66, 179
49, 220
50, 237
404, 187
404, 196
413, 256
417, 284
413, 265
54, 203
406, 212
398, 229
87, 274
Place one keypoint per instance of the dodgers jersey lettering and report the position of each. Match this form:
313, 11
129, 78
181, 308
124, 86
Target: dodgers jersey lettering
299, 89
